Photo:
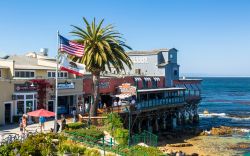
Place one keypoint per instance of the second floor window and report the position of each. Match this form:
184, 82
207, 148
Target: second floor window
24, 74
61, 74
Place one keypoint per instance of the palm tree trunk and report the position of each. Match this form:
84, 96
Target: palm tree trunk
96, 94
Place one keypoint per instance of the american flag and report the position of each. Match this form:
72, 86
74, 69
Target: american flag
71, 47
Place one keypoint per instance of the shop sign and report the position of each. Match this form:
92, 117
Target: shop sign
103, 85
66, 86
25, 87
126, 88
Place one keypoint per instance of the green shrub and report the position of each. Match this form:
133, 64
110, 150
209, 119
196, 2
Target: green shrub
11, 149
91, 134
92, 152
142, 151
121, 136
113, 122
71, 147
76, 125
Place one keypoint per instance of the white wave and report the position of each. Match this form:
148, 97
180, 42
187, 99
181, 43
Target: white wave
213, 115
222, 115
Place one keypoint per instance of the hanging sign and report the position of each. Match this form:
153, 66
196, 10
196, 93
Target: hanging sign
25, 87
66, 85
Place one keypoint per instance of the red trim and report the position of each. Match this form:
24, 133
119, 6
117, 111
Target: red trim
71, 71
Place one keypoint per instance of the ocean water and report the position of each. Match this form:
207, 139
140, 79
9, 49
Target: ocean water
228, 102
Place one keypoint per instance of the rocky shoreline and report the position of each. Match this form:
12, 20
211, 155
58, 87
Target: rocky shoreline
218, 141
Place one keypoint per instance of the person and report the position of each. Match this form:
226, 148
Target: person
119, 103
24, 123
115, 103
74, 114
105, 107
87, 106
21, 125
63, 120
41, 122
133, 101
100, 104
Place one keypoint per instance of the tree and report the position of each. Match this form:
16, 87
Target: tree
104, 50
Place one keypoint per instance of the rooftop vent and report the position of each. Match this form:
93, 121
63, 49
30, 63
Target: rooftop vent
44, 51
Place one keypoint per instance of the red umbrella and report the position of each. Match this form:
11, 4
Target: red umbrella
41, 112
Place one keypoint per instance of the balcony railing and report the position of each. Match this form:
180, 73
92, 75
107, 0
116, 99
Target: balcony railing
159, 102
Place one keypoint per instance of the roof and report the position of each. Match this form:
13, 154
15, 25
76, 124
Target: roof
26, 62
160, 89
150, 52
3, 67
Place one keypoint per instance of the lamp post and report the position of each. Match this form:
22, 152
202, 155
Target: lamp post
129, 124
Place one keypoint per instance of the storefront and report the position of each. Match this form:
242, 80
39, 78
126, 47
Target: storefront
25, 98
70, 95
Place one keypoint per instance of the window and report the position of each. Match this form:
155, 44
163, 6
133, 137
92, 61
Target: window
0, 73
175, 72
25, 102
138, 71
61, 74
20, 107
171, 56
24, 74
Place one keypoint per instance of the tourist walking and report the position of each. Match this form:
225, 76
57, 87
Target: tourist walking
41, 122
63, 122
74, 114
21, 126
24, 122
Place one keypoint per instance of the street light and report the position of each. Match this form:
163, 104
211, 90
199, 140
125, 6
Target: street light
129, 123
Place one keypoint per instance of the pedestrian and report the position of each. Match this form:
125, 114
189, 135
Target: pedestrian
100, 104
74, 114
21, 126
63, 120
87, 106
119, 103
41, 122
24, 123
105, 107
115, 103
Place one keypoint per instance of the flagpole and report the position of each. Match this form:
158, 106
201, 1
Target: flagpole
56, 89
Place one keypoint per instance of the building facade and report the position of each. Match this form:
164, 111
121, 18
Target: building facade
27, 83
161, 62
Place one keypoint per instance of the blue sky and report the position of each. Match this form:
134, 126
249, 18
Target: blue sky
212, 36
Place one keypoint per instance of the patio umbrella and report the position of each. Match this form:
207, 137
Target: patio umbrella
41, 112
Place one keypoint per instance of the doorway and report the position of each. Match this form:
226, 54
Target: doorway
51, 106
7, 108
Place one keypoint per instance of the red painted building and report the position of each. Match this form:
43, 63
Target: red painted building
109, 85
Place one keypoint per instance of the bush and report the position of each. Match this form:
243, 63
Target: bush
76, 125
92, 152
71, 147
141, 151
121, 136
113, 122
90, 134
10, 149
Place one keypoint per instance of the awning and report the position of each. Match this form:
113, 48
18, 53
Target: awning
147, 78
156, 78
123, 96
137, 79
160, 89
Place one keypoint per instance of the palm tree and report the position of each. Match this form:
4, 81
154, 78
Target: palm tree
104, 50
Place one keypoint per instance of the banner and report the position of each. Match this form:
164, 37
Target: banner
72, 67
